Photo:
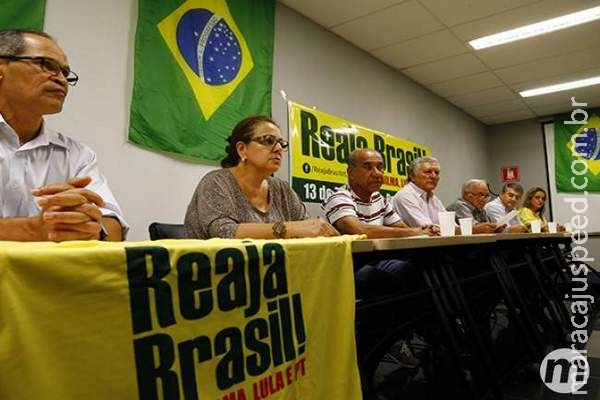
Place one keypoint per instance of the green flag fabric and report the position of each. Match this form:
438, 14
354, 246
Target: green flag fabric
577, 152
200, 67
22, 14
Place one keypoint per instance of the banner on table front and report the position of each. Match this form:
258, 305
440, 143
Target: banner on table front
217, 319
577, 151
320, 146
23, 14
200, 67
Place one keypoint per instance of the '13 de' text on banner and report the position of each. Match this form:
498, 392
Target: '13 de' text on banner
217, 319
200, 67
321, 144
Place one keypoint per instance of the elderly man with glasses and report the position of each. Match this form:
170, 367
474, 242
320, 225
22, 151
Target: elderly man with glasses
475, 194
50, 186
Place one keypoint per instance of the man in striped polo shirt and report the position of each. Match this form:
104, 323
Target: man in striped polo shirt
359, 208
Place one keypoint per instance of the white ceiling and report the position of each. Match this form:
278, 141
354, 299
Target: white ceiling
426, 40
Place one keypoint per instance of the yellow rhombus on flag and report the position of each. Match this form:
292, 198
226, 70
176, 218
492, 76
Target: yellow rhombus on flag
209, 95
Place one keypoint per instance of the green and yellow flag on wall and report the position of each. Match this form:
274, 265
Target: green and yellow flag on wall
577, 152
200, 67
23, 14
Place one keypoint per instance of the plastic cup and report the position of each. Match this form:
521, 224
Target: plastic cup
536, 226
466, 226
446, 219
568, 227
551, 227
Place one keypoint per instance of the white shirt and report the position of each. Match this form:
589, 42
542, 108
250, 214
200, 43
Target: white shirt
48, 158
415, 208
496, 209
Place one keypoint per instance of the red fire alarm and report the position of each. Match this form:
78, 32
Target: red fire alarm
510, 174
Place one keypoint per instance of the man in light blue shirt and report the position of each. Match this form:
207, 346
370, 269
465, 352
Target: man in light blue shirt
503, 204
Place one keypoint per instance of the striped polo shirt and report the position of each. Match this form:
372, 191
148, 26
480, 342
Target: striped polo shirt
345, 203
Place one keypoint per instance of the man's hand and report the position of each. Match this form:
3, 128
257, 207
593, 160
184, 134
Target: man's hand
500, 228
485, 227
72, 187
431, 230
69, 211
518, 229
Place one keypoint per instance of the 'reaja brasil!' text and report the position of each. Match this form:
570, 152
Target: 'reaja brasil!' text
324, 142
234, 280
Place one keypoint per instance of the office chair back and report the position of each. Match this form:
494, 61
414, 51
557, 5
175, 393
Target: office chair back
159, 230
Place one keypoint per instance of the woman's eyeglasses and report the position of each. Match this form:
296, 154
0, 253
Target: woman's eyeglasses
270, 140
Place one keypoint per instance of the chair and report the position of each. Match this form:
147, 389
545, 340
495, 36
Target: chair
159, 230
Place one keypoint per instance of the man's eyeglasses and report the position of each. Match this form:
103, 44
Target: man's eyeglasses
48, 65
270, 140
480, 195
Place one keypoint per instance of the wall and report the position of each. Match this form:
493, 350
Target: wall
98, 39
316, 68
312, 65
522, 143
517, 143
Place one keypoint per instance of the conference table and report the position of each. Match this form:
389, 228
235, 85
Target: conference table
465, 281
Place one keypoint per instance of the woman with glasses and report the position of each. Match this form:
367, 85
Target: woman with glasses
243, 199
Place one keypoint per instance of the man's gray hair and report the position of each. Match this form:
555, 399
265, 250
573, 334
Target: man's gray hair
12, 41
514, 186
470, 183
414, 165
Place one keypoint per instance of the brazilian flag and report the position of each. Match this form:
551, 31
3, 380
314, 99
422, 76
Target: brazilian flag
22, 14
200, 67
577, 148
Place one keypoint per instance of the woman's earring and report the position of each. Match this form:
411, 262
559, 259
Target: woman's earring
243, 159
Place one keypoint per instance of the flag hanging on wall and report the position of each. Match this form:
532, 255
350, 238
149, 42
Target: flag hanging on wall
23, 14
577, 152
200, 67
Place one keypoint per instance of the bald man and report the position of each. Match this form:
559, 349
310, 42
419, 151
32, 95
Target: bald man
359, 208
475, 194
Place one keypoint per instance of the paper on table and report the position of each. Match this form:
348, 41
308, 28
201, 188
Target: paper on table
504, 219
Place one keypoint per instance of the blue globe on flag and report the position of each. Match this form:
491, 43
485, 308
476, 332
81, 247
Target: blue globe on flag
209, 46
587, 144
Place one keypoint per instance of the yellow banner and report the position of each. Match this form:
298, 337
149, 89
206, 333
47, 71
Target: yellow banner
215, 319
320, 146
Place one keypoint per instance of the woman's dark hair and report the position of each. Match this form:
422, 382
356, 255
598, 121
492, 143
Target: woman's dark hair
529, 195
242, 132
